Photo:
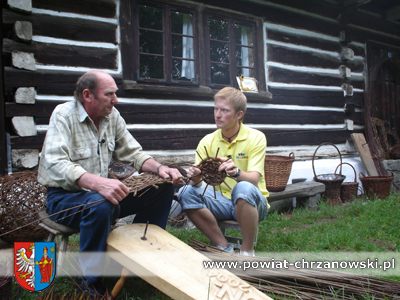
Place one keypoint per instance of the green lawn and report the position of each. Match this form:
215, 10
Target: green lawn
364, 225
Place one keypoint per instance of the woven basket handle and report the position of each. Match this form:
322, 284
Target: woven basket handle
315, 175
346, 163
291, 155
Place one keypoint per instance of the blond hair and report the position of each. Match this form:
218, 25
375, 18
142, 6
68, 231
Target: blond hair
235, 97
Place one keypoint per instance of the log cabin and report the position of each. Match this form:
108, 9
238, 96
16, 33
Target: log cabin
323, 70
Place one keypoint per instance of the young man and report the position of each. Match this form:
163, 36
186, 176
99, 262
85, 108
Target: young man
82, 138
242, 152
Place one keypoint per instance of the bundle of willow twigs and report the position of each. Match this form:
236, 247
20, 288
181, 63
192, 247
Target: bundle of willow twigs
305, 284
143, 181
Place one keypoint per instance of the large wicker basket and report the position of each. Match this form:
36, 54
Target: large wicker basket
332, 181
277, 171
376, 186
348, 190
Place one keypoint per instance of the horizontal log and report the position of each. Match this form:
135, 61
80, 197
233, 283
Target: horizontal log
46, 82
23, 6
174, 114
23, 60
25, 95
180, 139
314, 98
99, 8
22, 31
66, 55
24, 125
310, 41
66, 28
294, 77
310, 59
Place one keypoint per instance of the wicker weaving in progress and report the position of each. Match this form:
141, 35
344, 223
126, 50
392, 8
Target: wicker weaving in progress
22, 197
143, 181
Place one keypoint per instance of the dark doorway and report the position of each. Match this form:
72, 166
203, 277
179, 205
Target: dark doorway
382, 98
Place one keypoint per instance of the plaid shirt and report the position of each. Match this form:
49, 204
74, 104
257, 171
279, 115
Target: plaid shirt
74, 146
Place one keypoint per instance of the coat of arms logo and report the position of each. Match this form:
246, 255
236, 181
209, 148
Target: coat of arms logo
34, 264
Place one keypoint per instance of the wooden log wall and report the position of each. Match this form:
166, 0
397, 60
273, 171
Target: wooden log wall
314, 68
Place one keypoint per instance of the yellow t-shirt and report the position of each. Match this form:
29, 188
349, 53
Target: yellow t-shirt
247, 151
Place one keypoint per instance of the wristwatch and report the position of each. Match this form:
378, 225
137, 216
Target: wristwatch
238, 171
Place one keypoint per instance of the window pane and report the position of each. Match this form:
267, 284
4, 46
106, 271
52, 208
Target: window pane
220, 74
245, 56
150, 42
182, 70
150, 17
246, 72
219, 52
182, 47
182, 23
151, 66
244, 35
218, 30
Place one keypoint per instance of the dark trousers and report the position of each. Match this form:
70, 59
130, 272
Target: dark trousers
95, 220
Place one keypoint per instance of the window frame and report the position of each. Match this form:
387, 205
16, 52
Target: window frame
129, 30
166, 9
232, 47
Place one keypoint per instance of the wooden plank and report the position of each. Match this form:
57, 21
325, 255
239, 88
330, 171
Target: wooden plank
365, 155
300, 189
173, 267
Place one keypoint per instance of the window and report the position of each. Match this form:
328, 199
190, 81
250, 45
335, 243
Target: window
166, 44
231, 51
190, 45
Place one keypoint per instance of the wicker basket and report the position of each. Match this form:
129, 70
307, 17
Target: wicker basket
348, 190
332, 181
277, 171
376, 186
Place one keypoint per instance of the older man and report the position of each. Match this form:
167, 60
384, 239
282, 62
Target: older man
82, 138
242, 152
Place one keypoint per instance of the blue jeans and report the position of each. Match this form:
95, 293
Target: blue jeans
221, 207
95, 221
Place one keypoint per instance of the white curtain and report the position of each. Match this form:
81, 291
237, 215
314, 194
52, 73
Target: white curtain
187, 48
245, 51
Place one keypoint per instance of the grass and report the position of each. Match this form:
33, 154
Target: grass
364, 225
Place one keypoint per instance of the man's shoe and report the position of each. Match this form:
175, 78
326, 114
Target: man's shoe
227, 249
245, 253
91, 288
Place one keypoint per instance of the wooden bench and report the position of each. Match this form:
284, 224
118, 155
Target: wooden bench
305, 193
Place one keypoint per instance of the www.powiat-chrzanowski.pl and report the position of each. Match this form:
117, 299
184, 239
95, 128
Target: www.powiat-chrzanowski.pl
301, 264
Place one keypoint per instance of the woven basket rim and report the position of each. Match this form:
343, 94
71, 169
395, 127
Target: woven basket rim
280, 157
379, 177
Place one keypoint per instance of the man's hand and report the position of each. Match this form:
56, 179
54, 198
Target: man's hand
151, 165
228, 166
170, 173
194, 174
113, 190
